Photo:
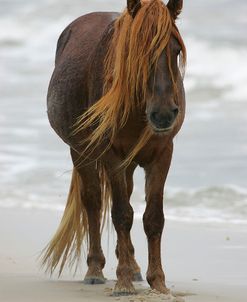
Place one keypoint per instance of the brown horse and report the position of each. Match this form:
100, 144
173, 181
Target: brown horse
116, 98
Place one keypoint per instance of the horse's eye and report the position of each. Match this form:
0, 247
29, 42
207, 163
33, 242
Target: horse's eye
178, 50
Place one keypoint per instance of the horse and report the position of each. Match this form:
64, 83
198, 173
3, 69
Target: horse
116, 98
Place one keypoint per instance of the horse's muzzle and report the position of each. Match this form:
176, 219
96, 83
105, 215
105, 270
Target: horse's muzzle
163, 121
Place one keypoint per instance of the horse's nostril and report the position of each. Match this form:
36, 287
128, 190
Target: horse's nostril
155, 116
164, 119
175, 112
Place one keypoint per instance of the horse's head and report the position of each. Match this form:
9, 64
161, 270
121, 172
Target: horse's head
164, 83
164, 90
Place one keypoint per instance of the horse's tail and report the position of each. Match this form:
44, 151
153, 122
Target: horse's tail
66, 244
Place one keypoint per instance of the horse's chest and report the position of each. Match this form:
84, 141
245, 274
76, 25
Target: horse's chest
152, 149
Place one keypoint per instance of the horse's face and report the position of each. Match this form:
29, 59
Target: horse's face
165, 87
162, 103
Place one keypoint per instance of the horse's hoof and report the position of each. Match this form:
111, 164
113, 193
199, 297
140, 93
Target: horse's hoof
161, 289
137, 277
123, 291
94, 280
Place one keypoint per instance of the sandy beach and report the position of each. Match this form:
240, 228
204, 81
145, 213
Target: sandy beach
202, 262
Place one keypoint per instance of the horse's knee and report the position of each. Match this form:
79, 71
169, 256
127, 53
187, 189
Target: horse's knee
153, 220
122, 216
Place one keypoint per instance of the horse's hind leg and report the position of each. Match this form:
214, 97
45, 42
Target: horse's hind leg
135, 267
91, 197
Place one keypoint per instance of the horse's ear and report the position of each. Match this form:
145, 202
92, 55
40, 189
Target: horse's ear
133, 7
175, 7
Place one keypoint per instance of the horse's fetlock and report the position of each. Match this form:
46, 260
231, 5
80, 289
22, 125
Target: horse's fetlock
124, 271
96, 259
156, 276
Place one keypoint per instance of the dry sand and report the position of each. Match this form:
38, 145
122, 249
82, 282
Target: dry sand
203, 263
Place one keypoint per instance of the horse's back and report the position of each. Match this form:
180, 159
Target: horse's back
68, 88
81, 37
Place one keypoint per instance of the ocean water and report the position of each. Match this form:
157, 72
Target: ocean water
208, 176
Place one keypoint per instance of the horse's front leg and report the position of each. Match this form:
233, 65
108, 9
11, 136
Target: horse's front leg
135, 267
153, 218
122, 217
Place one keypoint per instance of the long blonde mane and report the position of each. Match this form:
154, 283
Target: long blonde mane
134, 49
